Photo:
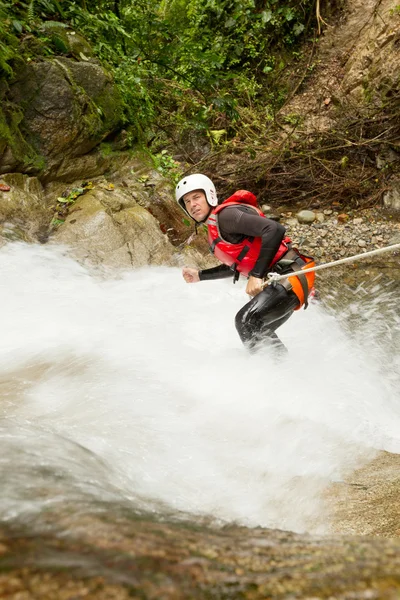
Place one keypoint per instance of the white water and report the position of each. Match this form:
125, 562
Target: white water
136, 387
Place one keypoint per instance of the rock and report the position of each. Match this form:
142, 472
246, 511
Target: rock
159, 200
291, 222
394, 239
126, 226
130, 237
362, 243
24, 212
67, 108
391, 198
386, 157
273, 217
306, 216
343, 217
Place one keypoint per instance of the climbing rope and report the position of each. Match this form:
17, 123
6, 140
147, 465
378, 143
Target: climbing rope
273, 277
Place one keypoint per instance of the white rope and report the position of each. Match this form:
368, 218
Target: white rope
272, 277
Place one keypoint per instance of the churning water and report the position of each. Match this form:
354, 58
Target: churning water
134, 388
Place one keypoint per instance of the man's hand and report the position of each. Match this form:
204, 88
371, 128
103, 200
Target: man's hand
254, 286
190, 275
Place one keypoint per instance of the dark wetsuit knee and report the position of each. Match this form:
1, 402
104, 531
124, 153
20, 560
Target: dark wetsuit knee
257, 320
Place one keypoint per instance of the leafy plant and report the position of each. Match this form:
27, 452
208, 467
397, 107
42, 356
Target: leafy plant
68, 199
166, 164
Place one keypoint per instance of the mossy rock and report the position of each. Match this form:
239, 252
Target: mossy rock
58, 110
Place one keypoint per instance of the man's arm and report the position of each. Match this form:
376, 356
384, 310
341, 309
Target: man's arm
219, 272
191, 275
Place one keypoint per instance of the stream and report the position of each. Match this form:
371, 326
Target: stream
132, 391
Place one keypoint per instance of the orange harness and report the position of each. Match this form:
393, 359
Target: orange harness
300, 284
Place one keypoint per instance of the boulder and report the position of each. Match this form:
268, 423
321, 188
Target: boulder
156, 194
24, 211
124, 234
111, 226
65, 109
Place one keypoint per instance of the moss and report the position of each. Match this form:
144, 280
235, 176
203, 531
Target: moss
110, 105
92, 120
106, 149
10, 135
96, 100
101, 112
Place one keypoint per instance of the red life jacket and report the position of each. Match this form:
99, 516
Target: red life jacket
242, 256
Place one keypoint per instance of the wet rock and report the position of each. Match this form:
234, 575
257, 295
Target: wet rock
115, 227
24, 211
130, 237
101, 555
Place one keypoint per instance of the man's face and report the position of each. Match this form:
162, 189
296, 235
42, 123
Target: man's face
196, 205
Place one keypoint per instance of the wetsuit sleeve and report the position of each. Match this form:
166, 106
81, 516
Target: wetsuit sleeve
220, 272
243, 220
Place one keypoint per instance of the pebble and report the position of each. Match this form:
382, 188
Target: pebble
334, 239
306, 216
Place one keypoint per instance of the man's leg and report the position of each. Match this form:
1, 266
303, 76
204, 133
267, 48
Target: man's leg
257, 320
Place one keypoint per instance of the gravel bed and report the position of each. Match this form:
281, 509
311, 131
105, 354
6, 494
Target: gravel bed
335, 235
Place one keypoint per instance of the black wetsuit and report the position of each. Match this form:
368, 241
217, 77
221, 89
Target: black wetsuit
257, 320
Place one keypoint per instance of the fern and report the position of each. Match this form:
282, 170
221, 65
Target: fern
6, 54
30, 15
60, 10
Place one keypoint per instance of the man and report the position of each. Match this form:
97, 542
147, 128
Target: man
247, 243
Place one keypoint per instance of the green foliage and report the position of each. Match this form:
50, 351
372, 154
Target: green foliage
165, 163
8, 40
184, 65
180, 65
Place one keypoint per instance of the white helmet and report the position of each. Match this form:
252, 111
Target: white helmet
192, 183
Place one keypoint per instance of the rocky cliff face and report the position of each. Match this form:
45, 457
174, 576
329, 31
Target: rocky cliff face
125, 220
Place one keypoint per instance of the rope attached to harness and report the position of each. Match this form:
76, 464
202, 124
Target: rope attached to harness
274, 277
